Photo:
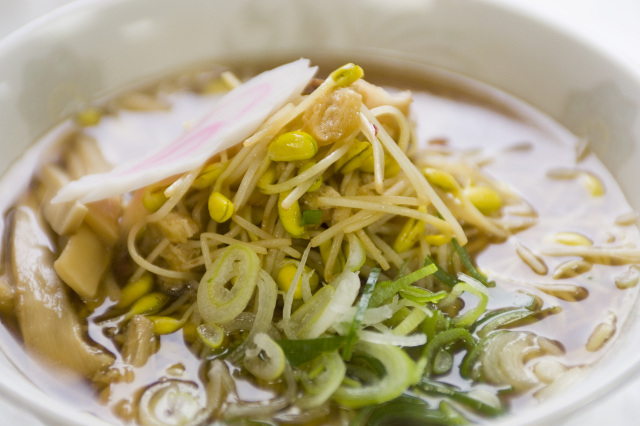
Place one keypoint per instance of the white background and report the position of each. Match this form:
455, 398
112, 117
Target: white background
612, 26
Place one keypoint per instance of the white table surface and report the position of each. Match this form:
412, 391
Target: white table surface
611, 25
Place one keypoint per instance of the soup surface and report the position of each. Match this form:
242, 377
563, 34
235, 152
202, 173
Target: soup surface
480, 278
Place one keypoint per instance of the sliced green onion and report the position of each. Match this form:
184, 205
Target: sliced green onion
266, 360
490, 315
517, 318
400, 373
434, 324
440, 341
211, 335
442, 362
306, 317
325, 307
386, 338
469, 360
404, 410
320, 379
266, 300
356, 255
238, 265
398, 316
422, 295
439, 389
361, 307
304, 350
363, 368
468, 264
410, 322
471, 315
311, 217
387, 289
440, 274
451, 414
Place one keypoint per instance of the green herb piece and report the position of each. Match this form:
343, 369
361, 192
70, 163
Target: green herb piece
399, 373
304, 350
311, 217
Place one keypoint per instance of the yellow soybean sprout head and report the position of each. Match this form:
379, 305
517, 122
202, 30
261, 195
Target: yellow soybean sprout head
346, 74
220, 207
293, 146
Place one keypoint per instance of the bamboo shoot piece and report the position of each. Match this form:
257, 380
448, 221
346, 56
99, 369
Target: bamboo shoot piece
64, 218
50, 328
83, 262
85, 157
103, 216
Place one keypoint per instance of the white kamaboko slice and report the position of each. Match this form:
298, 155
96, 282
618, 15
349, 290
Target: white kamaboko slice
235, 117
505, 357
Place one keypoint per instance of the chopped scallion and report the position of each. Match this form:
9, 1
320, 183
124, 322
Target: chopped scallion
407, 410
470, 316
468, 264
387, 289
421, 295
440, 274
440, 341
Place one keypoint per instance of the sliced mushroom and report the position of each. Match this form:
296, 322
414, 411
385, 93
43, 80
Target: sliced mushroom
50, 327
7, 296
140, 342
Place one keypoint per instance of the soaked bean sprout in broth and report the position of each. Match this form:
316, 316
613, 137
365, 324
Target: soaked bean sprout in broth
360, 254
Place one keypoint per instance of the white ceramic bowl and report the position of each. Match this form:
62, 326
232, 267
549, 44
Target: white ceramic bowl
93, 47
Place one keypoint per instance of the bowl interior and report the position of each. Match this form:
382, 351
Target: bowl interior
93, 47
